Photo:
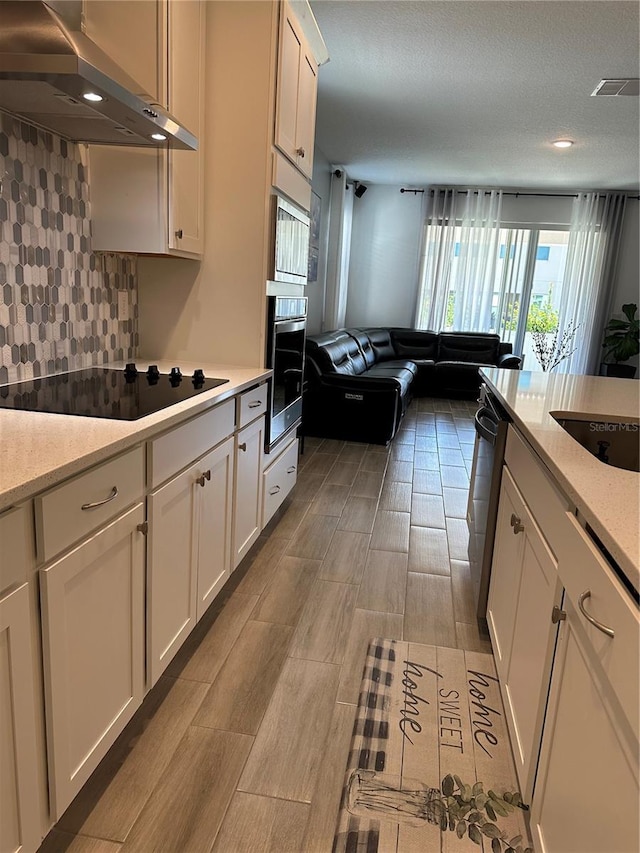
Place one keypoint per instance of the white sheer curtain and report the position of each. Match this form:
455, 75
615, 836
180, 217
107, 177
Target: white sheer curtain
460, 251
338, 251
594, 237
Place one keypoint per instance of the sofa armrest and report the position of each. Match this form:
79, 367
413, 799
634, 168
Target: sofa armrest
512, 362
352, 408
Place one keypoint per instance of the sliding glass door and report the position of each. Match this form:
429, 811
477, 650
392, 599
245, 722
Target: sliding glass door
529, 283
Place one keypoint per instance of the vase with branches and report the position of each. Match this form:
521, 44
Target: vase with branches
550, 351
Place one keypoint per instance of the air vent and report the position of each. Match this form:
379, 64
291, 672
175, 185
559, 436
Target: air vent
615, 88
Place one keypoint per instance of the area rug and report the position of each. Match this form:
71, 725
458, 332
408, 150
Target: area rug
430, 768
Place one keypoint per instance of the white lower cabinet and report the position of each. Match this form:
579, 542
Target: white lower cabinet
215, 508
189, 552
247, 498
587, 797
278, 478
93, 645
524, 590
19, 806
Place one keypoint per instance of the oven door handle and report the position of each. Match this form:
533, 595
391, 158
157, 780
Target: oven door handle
483, 421
289, 325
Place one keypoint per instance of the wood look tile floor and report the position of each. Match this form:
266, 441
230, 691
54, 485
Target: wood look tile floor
241, 746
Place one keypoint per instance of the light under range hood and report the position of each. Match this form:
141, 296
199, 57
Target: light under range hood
48, 69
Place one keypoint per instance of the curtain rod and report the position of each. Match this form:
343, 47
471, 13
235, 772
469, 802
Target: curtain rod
516, 194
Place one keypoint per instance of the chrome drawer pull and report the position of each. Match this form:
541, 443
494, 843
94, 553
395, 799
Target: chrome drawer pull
114, 494
242, 446
581, 600
291, 470
254, 404
274, 490
516, 523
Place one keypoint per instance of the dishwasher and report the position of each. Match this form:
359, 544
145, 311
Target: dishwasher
490, 422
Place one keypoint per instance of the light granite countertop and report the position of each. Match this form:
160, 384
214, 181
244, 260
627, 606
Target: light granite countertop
607, 497
38, 450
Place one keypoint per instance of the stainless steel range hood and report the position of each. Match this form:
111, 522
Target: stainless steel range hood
48, 69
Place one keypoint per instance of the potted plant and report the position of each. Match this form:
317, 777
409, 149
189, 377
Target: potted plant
621, 343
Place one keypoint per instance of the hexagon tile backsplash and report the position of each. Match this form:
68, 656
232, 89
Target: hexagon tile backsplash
58, 299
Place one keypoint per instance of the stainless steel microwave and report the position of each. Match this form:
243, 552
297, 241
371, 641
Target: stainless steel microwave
290, 242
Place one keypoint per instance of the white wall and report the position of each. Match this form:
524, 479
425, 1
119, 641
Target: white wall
385, 246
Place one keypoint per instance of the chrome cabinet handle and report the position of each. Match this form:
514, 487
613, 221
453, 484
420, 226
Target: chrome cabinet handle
274, 490
242, 446
581, 600
291, 470
254, 404
558, 615
202, 479
114, 494
300, 152
179, 234
516, 523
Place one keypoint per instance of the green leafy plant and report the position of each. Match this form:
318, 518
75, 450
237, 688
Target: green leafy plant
469, 810
621, 341
541, 318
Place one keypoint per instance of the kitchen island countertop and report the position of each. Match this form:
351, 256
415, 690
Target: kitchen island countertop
39, 450
607, 497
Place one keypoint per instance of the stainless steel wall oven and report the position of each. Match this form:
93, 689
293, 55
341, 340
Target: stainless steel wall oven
286, 331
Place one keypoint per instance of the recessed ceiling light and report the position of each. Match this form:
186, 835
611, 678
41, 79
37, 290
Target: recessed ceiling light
563, 143
159, 136
92, 96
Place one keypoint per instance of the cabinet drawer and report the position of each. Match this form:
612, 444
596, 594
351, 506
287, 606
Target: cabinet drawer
251, 405
278, 480
182, 445
583, 568
286, 178
69, 512
546, 503
16, 546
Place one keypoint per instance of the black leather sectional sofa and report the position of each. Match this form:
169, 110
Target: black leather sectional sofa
359, 382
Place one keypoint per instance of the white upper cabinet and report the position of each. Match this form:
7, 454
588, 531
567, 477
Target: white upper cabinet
142, 200
296, 94
130, 38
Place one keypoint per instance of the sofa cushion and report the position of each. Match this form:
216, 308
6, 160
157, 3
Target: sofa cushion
414, 343
478, 349
335, 354
381, 343
364, 344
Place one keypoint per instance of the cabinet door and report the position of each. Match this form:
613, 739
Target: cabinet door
187, 27
19, 811
306, 115
586, 796
290, 52
93, 644
214, 523
525, 688
506, 572
171, 569
132, 38
248, 488
296, 94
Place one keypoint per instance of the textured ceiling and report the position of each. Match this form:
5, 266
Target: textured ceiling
422, 92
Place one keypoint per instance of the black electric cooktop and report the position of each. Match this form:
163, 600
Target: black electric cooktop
102, 392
